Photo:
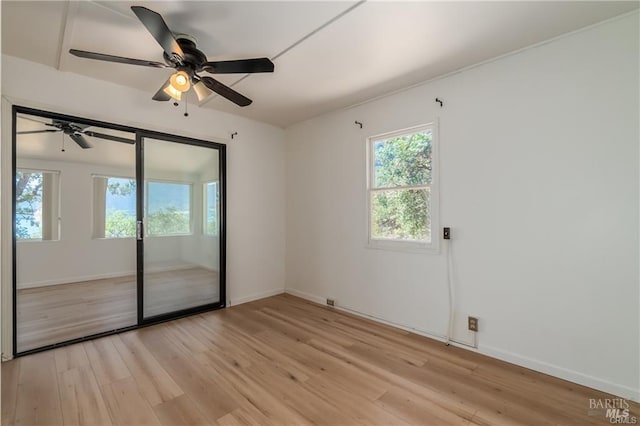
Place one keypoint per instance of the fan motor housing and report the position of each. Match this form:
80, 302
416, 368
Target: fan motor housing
192, 58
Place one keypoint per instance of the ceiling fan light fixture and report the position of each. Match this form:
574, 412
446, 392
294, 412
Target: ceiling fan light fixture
180, 81
201, 90
173, 92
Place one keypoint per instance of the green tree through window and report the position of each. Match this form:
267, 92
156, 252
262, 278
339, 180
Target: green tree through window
400, 188
28, 205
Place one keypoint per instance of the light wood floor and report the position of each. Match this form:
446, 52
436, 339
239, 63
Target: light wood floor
53, 314
281, 361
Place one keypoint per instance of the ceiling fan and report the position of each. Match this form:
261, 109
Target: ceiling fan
181, 54
75, 131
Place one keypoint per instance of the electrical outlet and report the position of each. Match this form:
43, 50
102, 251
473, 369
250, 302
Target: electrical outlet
331, 302
446, 233
472, 323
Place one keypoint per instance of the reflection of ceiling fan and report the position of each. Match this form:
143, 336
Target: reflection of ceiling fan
75, 131
180, 53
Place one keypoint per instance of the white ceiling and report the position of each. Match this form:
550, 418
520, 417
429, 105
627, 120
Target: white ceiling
327, 55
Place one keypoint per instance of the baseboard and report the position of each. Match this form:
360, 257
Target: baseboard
78, 279
255, 296
307, 296
71, 280
522, 361
562, 373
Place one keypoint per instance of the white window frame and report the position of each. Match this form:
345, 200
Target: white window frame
398, 244
205, 201
56, 201
146, 207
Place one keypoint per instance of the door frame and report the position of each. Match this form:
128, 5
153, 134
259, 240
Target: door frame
140, 134
140, 197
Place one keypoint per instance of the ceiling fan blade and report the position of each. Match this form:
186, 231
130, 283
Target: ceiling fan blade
108, 137
29, 132
241, 66
118, 59
226, 91
161, 95
202, 92
159, 30
24, 117
80, 140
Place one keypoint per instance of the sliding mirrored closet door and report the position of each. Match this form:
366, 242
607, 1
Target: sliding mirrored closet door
74, 228
114, 228
180, 232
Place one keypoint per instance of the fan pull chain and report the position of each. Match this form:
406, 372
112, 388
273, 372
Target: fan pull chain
186, 113
62, 134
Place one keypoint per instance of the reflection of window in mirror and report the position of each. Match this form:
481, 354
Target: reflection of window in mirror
210, 195
114, 207
168, 208
37, 205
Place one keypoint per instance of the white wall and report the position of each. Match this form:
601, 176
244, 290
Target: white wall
255, 167
539, 183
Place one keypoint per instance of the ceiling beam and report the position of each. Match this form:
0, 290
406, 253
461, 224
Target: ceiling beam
70, 13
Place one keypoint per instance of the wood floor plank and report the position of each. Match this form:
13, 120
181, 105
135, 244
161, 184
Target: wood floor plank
38, 399
105, 360
82, 401
70, 357
126, 405
361, 410
344, 375
250, 394
237, 417
155, 384
204, 389
180, 411
415, 410
10, 374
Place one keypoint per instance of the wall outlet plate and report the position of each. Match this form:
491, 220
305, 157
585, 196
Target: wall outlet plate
472, 323
331, 302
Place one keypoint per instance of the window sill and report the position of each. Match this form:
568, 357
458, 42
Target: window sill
403, 246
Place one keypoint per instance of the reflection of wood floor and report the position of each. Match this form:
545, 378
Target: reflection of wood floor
282, 361
53, 314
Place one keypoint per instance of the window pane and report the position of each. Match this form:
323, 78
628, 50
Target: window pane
211, 216
168, 208
29, 205
401, 214
120, 208
403, 160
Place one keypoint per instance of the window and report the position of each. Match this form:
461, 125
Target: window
210, 224
168, 208
401, 191
114, 200
37, 205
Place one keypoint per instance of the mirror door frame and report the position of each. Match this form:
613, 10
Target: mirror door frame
140, 137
